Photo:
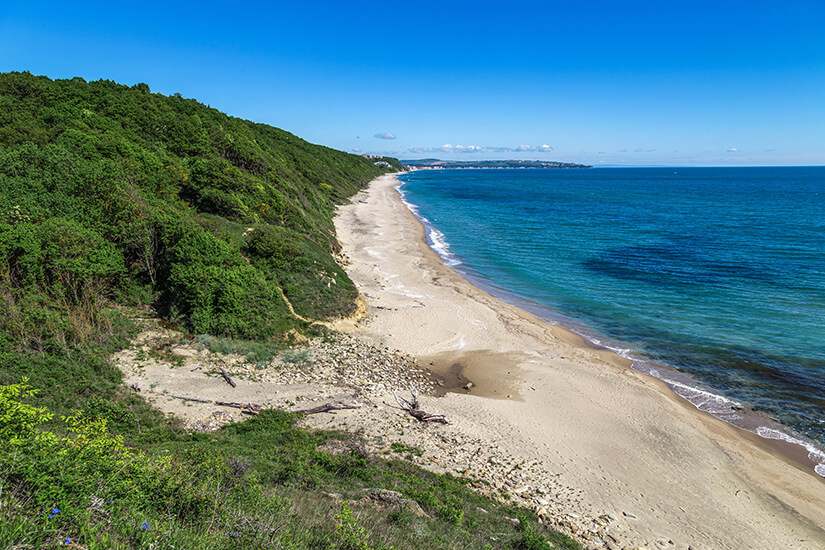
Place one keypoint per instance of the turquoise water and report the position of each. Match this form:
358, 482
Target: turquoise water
718, 273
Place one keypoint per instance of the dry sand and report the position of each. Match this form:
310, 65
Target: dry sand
618, 444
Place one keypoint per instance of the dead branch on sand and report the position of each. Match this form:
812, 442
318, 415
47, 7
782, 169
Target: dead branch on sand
412, 408
246, 408
327, 407
226, 377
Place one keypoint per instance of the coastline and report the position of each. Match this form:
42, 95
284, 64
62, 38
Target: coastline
620, 439
792, 445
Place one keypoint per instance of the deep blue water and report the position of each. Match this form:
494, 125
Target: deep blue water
718, 272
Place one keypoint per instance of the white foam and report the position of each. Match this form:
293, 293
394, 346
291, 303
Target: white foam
815, 454
622, 352
704, 400
720, 406
442, 247
437, 240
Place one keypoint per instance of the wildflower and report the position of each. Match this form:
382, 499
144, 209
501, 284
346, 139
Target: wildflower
144, 526
68, 541
55, 511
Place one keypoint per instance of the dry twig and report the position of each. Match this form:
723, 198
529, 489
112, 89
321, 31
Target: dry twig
412, 408
226, 377
327, 407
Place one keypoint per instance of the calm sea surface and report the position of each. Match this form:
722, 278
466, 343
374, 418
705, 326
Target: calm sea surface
718, 273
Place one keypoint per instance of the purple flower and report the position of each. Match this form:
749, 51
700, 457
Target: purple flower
67, 541
144, 526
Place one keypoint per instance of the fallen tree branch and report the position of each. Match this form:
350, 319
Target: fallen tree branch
252, 407
198, 399
226, 377
337, 406
248, 408
413, 409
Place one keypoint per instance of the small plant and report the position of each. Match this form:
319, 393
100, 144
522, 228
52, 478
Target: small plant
297, 357
350, 535
409, 451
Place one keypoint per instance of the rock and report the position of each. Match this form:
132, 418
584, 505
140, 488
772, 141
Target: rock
629, 515
468, 385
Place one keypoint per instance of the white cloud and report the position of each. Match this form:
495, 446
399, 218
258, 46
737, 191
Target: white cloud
733, 150
356, 150
385, 135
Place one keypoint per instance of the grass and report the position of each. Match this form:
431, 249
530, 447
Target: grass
262, 483
256, 352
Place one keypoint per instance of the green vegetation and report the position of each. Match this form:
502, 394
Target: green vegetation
114, 200
107, 190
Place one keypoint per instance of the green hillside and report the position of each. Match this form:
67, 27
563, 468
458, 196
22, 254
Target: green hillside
115, 202
206, 216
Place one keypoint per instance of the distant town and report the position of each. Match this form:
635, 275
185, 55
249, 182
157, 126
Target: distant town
434, 164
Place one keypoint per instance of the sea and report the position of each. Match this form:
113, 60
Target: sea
711, 279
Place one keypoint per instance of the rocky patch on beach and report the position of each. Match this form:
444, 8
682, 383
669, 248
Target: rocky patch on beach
166, 366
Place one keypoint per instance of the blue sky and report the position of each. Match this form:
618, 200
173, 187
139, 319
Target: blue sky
615, 83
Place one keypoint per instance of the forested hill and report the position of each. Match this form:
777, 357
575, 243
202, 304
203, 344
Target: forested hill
113, 193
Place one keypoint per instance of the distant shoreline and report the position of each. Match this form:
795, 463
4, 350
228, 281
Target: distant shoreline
438, 164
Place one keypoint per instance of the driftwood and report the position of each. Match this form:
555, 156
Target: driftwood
252, 408
226, 377
337, 406
198, 399
412, 408
248, 408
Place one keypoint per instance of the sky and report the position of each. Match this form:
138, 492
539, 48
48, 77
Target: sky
632, 83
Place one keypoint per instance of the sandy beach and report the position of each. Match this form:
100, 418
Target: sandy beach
602, 440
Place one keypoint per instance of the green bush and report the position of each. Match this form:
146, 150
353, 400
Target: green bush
104, 190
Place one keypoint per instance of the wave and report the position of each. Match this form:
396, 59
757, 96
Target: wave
815, 454
435, 238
